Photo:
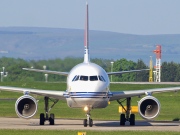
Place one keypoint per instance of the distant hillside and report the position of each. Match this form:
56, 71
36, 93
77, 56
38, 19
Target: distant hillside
48, 43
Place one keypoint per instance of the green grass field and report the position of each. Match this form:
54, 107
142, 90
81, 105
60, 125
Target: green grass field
72, 132
170, 109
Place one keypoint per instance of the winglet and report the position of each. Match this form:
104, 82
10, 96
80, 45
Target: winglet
86, 38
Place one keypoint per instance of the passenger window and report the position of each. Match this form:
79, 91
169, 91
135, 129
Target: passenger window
84, 78
93, 78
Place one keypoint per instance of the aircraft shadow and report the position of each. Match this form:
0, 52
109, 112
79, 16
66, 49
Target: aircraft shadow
138, 123
115, 124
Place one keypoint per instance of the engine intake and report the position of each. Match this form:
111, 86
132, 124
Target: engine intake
26, 106
149, 107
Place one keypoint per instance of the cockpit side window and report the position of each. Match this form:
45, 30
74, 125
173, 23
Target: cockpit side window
75, 78
101, 78
84, 78
93, 78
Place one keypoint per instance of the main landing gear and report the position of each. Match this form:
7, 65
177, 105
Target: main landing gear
127, 116
46, 117
88, 120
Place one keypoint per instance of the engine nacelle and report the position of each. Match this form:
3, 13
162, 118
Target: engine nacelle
149, 107
26, 106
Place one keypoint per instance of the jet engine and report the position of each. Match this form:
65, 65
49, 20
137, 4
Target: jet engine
149, 107
26, 106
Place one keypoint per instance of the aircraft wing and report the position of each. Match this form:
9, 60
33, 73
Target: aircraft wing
47, 71
122, 72
48, 93
133, 93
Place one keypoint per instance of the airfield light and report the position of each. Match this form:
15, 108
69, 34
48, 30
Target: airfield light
3, 74
111, 68
45, 75
44, 67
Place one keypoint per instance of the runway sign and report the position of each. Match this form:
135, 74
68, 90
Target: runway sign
81, 133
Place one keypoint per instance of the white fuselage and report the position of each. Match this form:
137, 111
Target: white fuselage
87, 85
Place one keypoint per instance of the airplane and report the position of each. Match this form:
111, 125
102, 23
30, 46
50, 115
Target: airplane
87, 88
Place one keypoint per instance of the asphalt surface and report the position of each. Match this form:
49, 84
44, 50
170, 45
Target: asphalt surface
67, 124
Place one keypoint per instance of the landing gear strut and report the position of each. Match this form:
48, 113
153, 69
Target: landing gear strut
127, 116
88, 120
46, 117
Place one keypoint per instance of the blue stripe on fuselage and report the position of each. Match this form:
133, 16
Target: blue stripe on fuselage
87, 95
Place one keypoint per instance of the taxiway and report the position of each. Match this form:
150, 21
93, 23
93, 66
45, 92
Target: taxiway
67, 124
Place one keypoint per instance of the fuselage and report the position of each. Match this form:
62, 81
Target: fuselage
87, 85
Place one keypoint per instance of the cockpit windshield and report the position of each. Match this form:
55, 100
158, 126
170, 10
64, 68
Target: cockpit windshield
93, 78
89, 78
84, 78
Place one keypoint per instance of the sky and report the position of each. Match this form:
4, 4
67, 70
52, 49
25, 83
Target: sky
142, 17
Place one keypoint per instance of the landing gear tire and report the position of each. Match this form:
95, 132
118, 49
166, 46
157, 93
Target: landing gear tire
122, 119
45, 117
90, 122
132, 120
51, 119
85, 122
42, 119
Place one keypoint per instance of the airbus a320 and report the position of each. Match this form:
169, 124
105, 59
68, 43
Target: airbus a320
87, 88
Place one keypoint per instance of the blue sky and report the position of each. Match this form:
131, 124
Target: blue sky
124, 16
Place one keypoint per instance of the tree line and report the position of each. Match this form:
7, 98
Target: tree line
170, 70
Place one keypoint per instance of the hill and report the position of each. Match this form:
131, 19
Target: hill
49, 43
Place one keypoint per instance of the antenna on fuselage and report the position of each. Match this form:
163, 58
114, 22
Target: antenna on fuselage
86, 38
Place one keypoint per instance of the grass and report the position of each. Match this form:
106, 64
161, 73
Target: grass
74, 132
170, 109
